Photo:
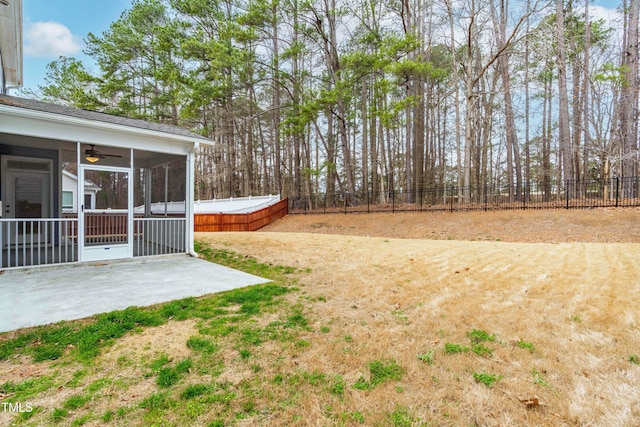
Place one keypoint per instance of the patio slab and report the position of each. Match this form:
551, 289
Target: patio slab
43, 295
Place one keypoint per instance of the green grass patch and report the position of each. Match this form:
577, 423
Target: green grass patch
21, 392
179, 310
108, 416
169, 376
427, 357
78, 376
362, 384
303, 343
478, 336
158, 363
76, 401
634, 359
297, 319
98, 385
337, 386
202, 345
245, 263
487, 379
401, 417
27, 415
50, 342
525, 345
157, 401
253, 336
314, 378
355, 417
59, 414
253, 295
482, 350
450, 348
194, 390
80, 421
380, 372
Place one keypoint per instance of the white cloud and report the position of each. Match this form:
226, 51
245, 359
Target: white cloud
612, 16
50, 40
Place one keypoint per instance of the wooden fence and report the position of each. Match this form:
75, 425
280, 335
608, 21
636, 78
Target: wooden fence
241, 222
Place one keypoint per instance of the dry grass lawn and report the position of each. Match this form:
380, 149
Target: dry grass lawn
564, 315
483, 318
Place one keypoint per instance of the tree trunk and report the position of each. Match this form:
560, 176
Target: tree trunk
564, 136
629, 97
275, 103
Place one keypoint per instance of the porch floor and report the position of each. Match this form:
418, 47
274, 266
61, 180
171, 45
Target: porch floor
43, 295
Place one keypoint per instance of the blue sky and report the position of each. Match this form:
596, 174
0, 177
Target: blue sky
55, 28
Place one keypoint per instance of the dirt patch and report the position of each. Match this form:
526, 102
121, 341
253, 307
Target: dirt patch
604, 225
19, 368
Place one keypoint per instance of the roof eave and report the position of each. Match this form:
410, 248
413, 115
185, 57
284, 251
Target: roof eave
92, 130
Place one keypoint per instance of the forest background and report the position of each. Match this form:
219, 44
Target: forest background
368, 96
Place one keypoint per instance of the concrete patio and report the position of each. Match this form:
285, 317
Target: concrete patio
43, 295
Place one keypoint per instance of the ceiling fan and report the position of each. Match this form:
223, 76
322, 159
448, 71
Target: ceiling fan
92, 155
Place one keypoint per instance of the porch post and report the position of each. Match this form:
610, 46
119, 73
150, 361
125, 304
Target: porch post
80, 203
148, 176
166, 189
188, 208
130, 207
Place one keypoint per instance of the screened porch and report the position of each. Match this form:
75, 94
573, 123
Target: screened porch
78, 186
40, 221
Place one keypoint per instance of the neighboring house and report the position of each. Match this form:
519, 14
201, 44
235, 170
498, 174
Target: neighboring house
70, 193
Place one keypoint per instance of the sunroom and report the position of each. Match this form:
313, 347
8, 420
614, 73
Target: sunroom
77, 185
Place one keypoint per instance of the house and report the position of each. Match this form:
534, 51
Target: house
70, 193
50, 216
133, 162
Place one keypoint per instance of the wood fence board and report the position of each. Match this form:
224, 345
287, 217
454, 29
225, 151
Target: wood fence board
241, 222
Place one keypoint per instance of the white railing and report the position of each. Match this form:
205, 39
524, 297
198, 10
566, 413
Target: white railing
159, 236
235, 204
38, 241
231, 205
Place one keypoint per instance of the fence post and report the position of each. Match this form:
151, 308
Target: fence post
486, 190
393, 201
368, 200
617, 190
346, 197
566, 192
451, 209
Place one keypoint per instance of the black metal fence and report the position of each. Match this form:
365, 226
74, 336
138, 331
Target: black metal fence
614, 192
